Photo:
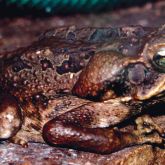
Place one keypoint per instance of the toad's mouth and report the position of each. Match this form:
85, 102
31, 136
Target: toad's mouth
157, 90
159, 97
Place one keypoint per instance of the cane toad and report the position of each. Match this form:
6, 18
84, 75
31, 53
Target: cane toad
66, 87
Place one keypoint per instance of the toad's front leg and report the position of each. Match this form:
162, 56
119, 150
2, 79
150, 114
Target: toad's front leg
10, 117
78, 129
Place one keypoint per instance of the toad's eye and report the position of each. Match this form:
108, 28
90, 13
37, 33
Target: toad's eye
159, 59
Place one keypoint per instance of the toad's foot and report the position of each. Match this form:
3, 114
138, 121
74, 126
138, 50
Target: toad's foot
148, 131
145, 125
17, 140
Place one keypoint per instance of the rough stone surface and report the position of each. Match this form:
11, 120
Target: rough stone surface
39, 154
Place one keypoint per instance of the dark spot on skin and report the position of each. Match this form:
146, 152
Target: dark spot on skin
63, 91
59, 50
74, 64
139, 31
69, 66
46, 64
71, 36
65, 50
119, 87
88, 55
40, 99
36, 127
102, 35
18, 64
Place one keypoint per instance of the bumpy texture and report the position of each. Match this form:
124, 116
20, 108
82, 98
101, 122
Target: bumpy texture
93, 63
54, 62
19, 32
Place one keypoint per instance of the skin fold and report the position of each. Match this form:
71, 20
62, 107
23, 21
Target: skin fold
74, 86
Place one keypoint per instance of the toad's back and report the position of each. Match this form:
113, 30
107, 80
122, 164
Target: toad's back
52, 64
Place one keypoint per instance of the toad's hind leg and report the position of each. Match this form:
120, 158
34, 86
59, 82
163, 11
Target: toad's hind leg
79, 129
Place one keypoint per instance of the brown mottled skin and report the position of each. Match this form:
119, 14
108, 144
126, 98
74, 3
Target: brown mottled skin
74, 83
